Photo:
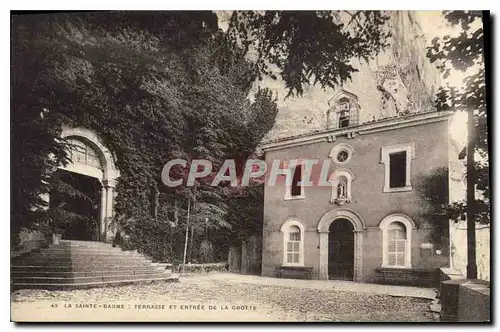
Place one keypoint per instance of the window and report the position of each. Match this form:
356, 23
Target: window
342, 156
344, 119
295, 190
396, 241
344, 110
293, 243
293, 246
397, 176
82, 153
341, 153
397, 160
396, 255
297, 177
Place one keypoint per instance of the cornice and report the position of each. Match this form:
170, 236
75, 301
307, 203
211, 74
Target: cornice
362, 129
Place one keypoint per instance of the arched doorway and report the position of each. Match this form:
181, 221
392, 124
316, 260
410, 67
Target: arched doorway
327, 225
77, 205
341, 250
92, 170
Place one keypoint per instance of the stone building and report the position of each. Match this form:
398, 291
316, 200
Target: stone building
369, 224
381, 138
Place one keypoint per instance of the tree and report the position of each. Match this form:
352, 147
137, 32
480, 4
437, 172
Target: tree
309, 46
160, 86
465, 52
149, 98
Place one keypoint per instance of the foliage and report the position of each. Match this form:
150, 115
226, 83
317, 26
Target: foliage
309, 46
246, 212
150, 99
433, 191
465, 53
206, 252
160, 86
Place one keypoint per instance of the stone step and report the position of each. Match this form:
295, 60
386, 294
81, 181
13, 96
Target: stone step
79, 268
78, 280
73, 255
84, 264
49, 286
69, 243
80, 260
73, 274
80, 247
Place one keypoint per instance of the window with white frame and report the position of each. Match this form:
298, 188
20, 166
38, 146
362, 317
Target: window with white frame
293, 243
396, 244
293, 246
396, 241
397, 160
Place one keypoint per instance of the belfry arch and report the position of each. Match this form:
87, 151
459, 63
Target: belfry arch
92, 158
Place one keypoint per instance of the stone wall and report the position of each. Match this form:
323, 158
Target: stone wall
458, 248
30, 240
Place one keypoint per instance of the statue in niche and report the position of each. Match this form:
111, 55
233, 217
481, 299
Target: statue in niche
341, 192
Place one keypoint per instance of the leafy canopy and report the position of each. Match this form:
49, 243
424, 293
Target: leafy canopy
465, 52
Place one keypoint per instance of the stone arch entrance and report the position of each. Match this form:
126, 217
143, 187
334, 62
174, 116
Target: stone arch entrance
357, 226
92, 158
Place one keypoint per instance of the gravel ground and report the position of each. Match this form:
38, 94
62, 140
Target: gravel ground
204, 299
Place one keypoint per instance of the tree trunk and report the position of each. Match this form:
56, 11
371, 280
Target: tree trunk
471, 178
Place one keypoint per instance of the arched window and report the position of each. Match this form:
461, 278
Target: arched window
83, 153
396, 246
396, 241
344, 110
293, 243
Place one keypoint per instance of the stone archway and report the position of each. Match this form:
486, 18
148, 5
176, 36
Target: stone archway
106, 173
323, 228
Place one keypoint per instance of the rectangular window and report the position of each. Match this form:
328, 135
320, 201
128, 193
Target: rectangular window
397, 172
296, 189
293, 252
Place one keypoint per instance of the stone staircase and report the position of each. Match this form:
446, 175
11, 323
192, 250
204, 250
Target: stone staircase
84, 264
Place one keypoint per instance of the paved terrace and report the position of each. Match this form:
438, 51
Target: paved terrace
333, 285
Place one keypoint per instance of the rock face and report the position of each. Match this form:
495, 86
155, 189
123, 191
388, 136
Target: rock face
399, 80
